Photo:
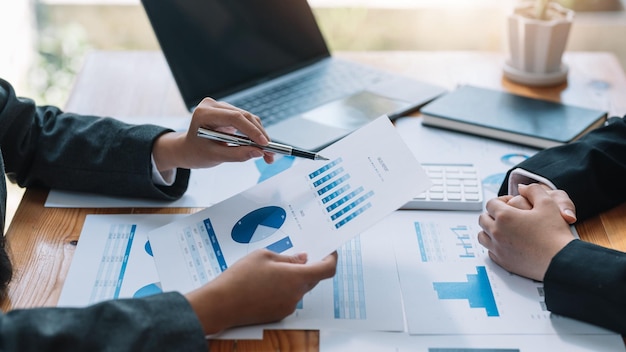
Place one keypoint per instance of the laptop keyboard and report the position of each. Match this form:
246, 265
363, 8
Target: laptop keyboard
310, 90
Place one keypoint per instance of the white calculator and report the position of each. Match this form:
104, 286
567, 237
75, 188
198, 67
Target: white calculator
455, 187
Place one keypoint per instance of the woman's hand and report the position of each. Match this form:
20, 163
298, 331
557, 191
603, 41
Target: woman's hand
260, 288
187, 150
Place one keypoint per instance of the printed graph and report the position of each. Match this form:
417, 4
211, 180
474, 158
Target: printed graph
343, 201
113, 264
260, 224
443, 243
476, 290
348, 289
201, 252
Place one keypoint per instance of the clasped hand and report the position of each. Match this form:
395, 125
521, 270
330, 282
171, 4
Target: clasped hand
523, 233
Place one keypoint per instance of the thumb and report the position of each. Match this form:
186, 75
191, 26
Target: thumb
535, 192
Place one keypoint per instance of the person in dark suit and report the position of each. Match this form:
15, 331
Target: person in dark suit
45, 147
527, 232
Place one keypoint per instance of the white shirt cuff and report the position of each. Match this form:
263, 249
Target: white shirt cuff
521, 176
165, 178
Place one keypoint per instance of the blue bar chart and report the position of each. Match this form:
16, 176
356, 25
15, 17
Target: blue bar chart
343, 201
445, 243
476, 290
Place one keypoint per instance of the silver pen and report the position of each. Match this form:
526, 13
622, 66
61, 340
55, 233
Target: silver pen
270, 147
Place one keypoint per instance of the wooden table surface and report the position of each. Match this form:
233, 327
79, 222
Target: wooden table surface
42, 240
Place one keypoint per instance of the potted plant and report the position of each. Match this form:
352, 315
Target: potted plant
537, 35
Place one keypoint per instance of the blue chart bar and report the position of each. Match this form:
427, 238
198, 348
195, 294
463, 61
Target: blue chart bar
129, 244
215, 245
420, 242
353, 215
335, 194
477, 290
280, 245
331, 183
344, 199
328, 177
325, 168
352, 205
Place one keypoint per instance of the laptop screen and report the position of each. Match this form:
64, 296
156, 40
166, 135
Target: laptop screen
217, 47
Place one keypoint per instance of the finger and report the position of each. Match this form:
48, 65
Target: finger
254, 119
494, 205
484, 239
221, 116
323, 269
520, 202
298, 258
535, 193
568, 209
488, 224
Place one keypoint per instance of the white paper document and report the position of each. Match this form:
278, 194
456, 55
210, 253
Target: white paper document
341, 341
451, 286
113, 259
364, 294
315, 207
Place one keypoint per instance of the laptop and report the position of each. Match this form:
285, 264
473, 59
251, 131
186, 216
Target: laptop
270, 58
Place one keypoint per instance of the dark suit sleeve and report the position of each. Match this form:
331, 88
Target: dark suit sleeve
586, 281
163, 322
43, 146
591, 170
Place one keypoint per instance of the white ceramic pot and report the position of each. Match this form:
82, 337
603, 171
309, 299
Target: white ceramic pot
536, 46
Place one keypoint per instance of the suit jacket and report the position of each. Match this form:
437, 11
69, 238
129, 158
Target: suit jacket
42, 146
586, 281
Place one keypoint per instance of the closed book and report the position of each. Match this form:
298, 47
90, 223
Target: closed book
510, 117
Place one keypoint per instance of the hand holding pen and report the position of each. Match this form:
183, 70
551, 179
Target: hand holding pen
270, 147
184, 150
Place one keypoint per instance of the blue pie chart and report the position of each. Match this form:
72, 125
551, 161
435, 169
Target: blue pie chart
258, 224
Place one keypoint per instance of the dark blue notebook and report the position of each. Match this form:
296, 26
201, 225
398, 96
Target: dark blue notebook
509, 117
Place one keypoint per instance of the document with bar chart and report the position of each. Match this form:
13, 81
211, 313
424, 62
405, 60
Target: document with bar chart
364, 294
313, 207
450, 285
113, 259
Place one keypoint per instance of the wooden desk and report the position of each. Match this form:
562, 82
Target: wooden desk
42, 240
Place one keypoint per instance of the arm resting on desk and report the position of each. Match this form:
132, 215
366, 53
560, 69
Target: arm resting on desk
583, 280
43, 146
591, 170
163, 322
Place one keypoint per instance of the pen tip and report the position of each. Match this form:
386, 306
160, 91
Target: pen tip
319, 157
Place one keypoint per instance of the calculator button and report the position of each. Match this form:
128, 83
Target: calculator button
454, 187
